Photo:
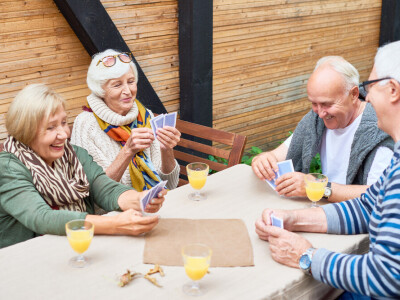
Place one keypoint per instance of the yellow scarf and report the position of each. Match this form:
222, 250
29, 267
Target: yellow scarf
142, 171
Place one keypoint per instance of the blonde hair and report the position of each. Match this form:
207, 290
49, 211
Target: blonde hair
34, 103
98, 74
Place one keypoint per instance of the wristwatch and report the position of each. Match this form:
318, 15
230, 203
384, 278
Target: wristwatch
306, 260
328, 191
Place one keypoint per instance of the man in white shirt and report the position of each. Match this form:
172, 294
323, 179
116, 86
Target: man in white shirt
353, 151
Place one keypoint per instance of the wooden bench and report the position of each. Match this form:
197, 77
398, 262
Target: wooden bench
235, 142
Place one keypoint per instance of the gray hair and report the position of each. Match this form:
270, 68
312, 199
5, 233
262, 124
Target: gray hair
348, 72
99, 74
387, 62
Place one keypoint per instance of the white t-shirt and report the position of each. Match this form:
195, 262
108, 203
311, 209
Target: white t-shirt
335, 154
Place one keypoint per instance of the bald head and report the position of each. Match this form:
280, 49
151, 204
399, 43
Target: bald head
333, 92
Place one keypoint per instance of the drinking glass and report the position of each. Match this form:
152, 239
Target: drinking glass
197, 174
79, 234
315, 187
196, 259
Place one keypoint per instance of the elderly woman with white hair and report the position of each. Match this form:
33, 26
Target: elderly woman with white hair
46, 182
115, 128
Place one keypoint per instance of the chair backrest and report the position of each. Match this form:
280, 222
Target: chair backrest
235, 142
1, 147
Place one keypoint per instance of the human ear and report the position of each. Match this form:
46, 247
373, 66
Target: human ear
354, 93
394, 86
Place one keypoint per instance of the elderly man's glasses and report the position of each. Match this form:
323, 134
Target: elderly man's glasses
110, 60
365, 86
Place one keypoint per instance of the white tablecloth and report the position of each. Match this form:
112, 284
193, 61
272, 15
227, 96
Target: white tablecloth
38, 268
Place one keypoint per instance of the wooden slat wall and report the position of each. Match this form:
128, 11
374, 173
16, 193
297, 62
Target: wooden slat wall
38, 46
264, 51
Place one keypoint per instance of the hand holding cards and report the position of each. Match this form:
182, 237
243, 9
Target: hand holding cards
153, 193
284, 167
163, 120
275, 221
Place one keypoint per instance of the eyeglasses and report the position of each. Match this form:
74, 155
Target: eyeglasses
109, 61
364, 87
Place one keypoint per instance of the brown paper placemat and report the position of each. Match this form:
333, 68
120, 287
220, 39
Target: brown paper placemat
228, 239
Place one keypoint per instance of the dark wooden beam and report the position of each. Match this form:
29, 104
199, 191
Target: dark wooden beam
97, 32
390, 22
195, 60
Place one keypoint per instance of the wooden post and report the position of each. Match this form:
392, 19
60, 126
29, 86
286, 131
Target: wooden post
390, 22
195, 60
97, 32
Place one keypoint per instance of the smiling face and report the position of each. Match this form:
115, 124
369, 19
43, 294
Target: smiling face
330, 99
51, 136
120, 93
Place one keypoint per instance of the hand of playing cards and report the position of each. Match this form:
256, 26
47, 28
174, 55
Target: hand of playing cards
284, 167
153, 193
163, 120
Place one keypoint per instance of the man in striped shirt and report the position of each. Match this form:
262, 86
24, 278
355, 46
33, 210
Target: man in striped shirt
375, 274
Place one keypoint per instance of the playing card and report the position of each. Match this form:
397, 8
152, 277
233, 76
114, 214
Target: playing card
153, 126
272, 182
275, 221
159, 121
285, 167
153, 192
170, 119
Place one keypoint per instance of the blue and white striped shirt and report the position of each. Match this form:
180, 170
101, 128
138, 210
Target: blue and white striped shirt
377, 212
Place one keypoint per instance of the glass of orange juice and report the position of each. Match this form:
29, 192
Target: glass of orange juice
315, 187
197, 174
196, 259
79, 234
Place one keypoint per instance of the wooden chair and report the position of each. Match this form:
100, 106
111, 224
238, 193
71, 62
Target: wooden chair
235, 141
1, 147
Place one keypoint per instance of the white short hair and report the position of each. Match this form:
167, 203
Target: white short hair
387, 61
99, 74
348, 72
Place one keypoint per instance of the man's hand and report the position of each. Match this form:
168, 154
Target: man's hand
291, 185
286, 247
287, 216
264, 165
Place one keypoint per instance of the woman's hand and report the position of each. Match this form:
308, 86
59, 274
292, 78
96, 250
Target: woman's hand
155, 204
168, 137
140, 139
131, 222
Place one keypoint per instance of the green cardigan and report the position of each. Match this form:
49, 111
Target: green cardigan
23, 212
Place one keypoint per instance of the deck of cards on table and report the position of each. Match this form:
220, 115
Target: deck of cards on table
284, 167
163, 120
153, 192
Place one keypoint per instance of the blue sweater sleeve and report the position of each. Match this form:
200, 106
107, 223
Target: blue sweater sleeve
376, 273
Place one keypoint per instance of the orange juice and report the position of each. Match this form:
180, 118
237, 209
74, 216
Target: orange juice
197, 179
315, 190
196, 267
80, 240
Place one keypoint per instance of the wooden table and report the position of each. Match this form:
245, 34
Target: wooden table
38, 268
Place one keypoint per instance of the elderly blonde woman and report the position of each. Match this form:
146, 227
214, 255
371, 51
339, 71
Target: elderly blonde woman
115, 129
45, 182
